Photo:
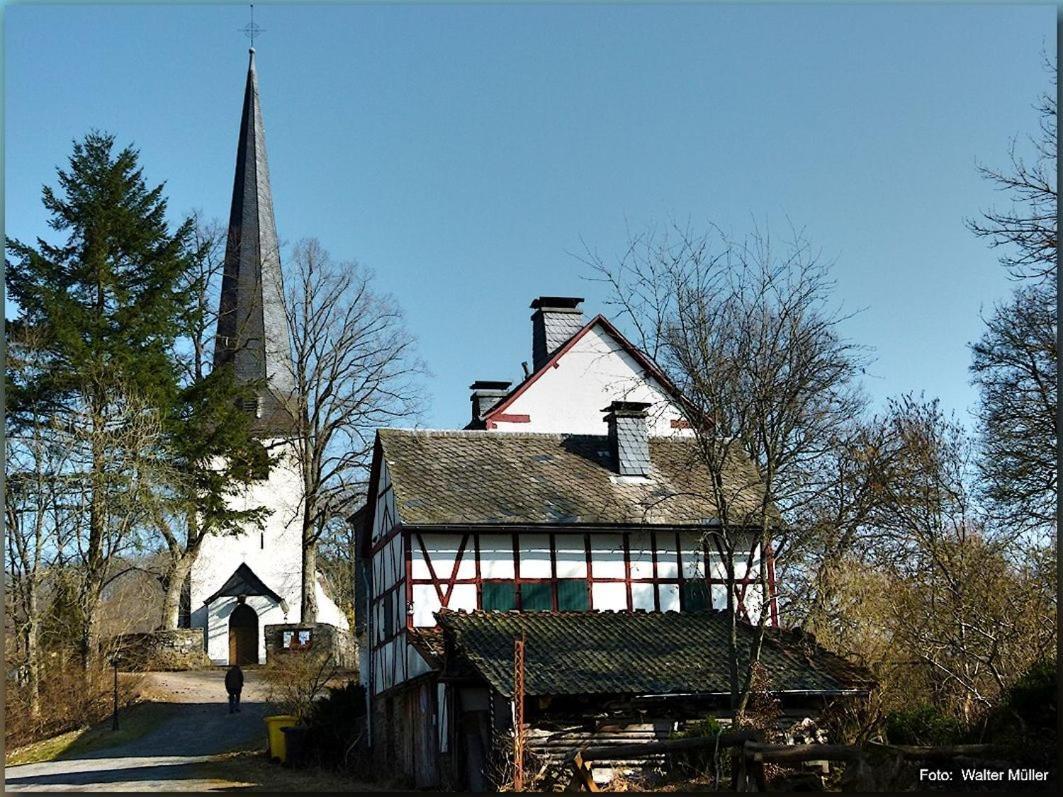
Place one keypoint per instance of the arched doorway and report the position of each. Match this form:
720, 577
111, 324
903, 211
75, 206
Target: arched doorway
243, 635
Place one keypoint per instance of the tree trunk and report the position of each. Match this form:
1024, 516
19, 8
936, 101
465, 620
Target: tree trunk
175, 581
308, 609
33, 682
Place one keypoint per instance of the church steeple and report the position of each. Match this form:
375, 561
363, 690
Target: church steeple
252, 329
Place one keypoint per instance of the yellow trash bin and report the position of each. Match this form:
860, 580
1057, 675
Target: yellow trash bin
275, 726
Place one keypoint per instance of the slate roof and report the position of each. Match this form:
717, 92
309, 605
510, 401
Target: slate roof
252, 330
243, 581
636, 653
492, 478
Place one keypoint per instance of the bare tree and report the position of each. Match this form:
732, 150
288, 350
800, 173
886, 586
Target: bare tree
1026, 231
748, 336
967, 601
1015, 368
354, 370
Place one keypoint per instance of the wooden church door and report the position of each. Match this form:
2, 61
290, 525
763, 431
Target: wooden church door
243, 635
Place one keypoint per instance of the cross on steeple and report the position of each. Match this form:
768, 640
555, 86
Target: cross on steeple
251, 29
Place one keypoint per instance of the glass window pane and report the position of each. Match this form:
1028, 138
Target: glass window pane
695, 596
535, 597
572, 595
499, 596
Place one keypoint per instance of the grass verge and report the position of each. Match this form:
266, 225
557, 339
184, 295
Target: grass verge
133, 722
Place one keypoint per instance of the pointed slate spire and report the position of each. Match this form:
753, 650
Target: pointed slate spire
252, 330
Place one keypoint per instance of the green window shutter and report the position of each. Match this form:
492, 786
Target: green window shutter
695, 596
499, 596
572, 595
535, 597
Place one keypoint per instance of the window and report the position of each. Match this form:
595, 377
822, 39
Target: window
572, 595
695, 596
536, 597
499, 596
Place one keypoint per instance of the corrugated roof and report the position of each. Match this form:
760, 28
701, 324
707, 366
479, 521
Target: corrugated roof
480, 477
635, 653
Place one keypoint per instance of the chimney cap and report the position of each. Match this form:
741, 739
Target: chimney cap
488, 384
563, 303
627, 408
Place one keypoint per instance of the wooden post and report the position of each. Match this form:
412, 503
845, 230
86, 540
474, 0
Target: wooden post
518, 714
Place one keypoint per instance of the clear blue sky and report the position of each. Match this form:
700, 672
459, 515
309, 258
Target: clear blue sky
463, 151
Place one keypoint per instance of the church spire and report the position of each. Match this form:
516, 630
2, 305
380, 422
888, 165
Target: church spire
252, 328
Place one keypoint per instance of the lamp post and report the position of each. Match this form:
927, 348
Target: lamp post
114, 715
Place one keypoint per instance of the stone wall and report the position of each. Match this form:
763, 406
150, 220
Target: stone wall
322, 636
174, 649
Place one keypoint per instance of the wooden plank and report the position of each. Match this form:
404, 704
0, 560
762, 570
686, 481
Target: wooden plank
791, 753
624, 751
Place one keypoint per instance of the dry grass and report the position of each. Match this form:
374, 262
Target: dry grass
252, 771
71, 699
133, 722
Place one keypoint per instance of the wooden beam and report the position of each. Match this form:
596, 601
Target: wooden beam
621, 752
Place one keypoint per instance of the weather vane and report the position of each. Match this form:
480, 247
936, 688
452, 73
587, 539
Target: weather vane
252, 30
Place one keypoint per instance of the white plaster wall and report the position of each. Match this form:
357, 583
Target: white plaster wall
569, 397
273, 552
268, 611
607, 561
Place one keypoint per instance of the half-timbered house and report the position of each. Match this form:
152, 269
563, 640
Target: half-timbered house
574, 493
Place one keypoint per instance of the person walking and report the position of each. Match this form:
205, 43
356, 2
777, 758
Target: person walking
234, 684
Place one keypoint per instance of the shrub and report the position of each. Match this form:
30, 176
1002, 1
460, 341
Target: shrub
295, 681
337, 726
923, 725
1034, 697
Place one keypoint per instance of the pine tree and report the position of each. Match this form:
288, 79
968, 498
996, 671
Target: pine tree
104, 308
107, 311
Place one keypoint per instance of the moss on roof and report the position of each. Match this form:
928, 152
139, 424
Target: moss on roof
635, 653
481, 477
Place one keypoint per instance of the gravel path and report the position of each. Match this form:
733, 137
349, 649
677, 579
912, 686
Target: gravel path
169, 757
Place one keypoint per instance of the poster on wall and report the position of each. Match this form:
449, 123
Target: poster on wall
297, 639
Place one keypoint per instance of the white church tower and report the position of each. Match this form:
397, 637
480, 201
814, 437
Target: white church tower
240, 584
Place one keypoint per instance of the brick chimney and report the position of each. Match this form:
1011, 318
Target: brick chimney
555, 320
485, 395
629, 437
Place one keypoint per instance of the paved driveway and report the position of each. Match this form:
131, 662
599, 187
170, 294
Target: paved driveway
171, 756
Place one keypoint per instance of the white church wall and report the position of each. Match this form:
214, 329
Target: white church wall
218, 613
273, 552
569, 397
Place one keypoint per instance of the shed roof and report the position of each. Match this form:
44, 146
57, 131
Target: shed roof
636, 653
496, 478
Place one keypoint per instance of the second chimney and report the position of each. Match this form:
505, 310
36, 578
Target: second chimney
485, 395
555, 320
629, 440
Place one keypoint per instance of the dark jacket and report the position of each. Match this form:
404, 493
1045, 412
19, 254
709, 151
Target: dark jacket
234, 680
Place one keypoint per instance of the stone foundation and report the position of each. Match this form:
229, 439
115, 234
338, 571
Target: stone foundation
288, 639
174, 649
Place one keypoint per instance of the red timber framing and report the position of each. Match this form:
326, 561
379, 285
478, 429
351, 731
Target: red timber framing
664, 545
